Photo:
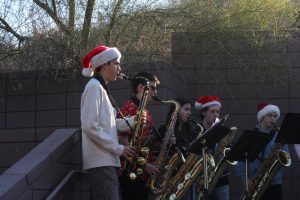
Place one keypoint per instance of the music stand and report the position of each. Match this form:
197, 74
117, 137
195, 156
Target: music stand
206, 141
209, 138
247, 148
289, 130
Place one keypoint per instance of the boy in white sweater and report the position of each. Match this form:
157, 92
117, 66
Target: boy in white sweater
100, 146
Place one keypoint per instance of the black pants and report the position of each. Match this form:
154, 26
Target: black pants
104, 184
273, 192
133, 190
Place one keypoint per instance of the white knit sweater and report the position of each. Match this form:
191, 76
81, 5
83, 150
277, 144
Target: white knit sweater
100, 146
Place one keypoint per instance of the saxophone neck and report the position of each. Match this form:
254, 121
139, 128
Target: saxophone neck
201, 129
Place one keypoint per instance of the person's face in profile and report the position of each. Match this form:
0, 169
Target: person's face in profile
212, 114
184, 113
269, 120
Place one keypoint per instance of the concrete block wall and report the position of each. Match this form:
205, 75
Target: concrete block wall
242, 81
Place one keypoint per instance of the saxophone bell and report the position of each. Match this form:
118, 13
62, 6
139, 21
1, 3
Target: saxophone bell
284, 158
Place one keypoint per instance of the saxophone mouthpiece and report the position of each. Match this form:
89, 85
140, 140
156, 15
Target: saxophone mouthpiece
275, 126
123, 76
156, 98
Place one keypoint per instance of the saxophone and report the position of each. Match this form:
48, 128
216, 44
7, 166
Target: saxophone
136, 167
188, 172
159, 183
275, 159
220, 158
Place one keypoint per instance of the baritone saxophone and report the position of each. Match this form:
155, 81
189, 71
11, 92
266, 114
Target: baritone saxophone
214, 173
274, 160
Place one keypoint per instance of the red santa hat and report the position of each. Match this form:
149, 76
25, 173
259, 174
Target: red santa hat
205, 101
97, 57
264, 109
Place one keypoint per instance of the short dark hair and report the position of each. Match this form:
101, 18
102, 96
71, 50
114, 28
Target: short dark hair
98, 69
149, 76
202, 111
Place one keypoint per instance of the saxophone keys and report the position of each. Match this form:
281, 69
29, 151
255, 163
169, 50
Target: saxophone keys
172, 197
142, 161
187, 176
139, 171
180, 186
132, 176
145, 151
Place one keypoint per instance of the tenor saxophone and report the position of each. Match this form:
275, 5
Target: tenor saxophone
136, 167
167, 163
214, 173
275, 159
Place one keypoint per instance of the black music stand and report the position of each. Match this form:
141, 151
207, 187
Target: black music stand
289, 132
209, 138
247, 148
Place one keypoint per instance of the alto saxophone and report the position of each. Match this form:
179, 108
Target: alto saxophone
167, 163
214, 173
275, 159
136, 167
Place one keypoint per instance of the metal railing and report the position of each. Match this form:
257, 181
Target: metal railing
63, 182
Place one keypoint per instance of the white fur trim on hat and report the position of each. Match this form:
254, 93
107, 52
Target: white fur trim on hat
88, 72
266, 110
105, 56
200, 106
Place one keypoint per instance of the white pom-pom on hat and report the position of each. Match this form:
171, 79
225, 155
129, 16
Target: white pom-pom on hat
88, 72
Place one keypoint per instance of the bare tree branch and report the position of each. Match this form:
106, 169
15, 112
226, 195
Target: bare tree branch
71, 15
54, 7
9, 54
113, 20
87, 22
53, 15
9, 29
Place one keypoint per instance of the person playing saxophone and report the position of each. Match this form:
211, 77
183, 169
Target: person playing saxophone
184, 132
136, 189
267, 116
209, 109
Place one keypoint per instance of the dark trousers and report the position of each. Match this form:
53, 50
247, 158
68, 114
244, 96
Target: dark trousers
273, 192
133, 190
104, 184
